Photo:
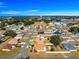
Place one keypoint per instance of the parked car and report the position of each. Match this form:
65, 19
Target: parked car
2, 39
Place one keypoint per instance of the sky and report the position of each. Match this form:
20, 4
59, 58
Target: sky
39, 7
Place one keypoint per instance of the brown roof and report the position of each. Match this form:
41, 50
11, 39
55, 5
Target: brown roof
8, 46
13, 41
39, 46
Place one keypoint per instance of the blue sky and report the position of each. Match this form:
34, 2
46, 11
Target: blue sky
39, 7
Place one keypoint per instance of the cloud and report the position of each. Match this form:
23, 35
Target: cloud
19, 12
32, 11
65, 13
10, 12
2, 4
46, 13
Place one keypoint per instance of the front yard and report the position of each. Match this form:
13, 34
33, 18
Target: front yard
41, 54
10, 53
25, 37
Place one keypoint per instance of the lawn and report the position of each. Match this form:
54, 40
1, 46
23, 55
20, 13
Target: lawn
25, 37
73, 54
42, 54
4, 43
10, 53
47, 55
35, 34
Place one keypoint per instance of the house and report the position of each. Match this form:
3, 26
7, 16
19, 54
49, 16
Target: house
39, 39
40, 46
54, 30
12, 27
7, 47
57, 24
13, 41
57, 33
68, 47
20, 35
65, 37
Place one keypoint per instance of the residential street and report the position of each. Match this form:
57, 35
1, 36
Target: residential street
21, 53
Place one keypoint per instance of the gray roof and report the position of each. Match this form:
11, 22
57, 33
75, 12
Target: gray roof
68, 46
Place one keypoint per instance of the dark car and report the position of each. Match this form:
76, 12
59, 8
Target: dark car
2, 39
27, 58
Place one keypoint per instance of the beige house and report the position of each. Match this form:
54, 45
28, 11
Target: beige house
13, 41
40, 46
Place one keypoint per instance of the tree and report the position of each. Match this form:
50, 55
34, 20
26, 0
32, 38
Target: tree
10, 33
2, 24
22, 28
74, 29
55, 40
27, 22
52, 49
3, 28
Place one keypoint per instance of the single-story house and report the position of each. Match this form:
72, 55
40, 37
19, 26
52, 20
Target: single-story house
7, 47
57, 33
13, 41
20, 35
68, 47
57, 24
12, 27
54, 30
40, 47
40, 39
65, 37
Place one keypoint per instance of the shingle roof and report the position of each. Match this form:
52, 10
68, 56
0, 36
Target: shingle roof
68, 46
8, 46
